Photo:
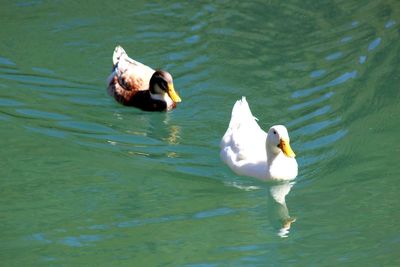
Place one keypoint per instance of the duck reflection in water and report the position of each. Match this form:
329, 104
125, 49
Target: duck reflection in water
277, 207
173, 132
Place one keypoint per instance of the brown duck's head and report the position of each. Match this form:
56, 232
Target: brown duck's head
161, 84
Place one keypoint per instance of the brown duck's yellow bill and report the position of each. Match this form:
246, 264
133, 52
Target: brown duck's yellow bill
287, 150
173, 94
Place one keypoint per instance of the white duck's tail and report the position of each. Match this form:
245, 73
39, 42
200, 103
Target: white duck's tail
241, 116
241, 113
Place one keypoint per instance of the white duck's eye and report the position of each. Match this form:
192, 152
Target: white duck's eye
274, 132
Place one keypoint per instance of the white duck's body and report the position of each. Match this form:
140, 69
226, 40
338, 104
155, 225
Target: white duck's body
250, 151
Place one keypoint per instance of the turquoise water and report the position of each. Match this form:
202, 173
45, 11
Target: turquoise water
85, 181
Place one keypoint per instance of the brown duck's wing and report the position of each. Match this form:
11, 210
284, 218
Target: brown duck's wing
120, 94
124, 83
130, 80
132, 75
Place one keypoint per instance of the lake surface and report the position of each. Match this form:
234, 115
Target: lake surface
85, 181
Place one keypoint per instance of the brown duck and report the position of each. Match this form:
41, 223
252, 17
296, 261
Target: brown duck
132, 83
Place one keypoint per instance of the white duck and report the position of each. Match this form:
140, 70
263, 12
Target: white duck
250, 151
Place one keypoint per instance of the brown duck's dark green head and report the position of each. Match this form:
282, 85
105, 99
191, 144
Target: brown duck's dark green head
162, 87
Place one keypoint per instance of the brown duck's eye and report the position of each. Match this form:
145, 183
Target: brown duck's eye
164, 84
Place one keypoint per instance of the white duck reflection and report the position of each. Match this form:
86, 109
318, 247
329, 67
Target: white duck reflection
278, 208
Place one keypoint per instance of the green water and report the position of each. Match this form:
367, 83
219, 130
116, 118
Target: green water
85, 181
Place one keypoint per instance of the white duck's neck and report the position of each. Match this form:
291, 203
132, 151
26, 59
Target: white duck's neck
279, 166
271, 154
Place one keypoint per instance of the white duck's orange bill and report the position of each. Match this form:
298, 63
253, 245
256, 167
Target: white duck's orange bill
287, 150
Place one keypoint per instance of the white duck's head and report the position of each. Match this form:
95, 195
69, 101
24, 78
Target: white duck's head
278, 141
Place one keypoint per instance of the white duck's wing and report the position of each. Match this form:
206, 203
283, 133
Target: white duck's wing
243, 145
131, 74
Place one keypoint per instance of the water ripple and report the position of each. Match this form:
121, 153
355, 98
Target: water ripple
48, 132
334, 56
346, 39
362, 59
323, 141
390, 24
317, 126
319, 112
213, 213
374, 44
85, 127
7, 62
10, 103
317, 73
42, 114
81, 240
311, 102
339, 80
